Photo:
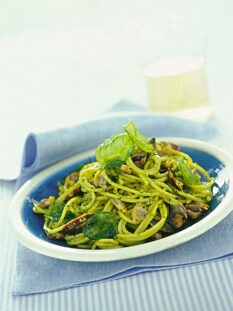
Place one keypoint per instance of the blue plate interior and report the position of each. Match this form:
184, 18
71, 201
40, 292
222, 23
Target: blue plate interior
34, 222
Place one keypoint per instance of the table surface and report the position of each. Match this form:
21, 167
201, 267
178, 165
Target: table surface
62, 62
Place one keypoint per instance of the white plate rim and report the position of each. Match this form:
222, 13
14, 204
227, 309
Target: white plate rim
36, 244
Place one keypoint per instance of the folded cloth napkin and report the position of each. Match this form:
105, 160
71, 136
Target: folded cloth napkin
37, 273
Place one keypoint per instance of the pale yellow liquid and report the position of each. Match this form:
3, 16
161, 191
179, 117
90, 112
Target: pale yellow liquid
178, 86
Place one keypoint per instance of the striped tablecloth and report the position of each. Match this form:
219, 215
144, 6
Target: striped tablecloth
199, 287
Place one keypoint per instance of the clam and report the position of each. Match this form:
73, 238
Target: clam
119, 205
195, 209
178, 216
139, 212
46, 202
139, 158
99, 180
71, 179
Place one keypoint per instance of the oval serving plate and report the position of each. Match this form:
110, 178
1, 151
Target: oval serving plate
28, 226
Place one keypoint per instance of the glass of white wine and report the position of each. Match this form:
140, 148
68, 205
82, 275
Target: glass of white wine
175, 70
178, 85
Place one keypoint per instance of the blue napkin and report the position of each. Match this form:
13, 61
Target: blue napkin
37, 273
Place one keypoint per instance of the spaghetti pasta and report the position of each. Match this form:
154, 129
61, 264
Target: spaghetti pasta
115, 202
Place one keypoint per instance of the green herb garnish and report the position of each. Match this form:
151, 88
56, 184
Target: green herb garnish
55, 210
101, 225
119, 147
140, 140
114, 151
188, 176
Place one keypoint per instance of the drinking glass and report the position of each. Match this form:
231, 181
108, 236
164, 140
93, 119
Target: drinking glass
178, 85
175, 73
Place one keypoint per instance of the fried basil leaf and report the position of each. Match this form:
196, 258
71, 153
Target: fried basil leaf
140, 140
187, 174
114, 151
101, 225
55, 210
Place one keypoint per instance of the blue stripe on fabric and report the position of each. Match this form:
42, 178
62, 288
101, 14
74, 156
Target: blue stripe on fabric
189, 301
213, 284
220, 289
228, 271
103, 297
72, 300
213, 281
170, 287
155, 288
26, 303
212, 305
7, 251
179, 278
163, 290
90, 299
52, 300
208, 286
188, 285
129, 290
86, 289
110, 295
96, 297
197, 288
143, 289
125, 289
174, 284
227, 283
124, 296
149, 278
138, 296
119, 304
79, 292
